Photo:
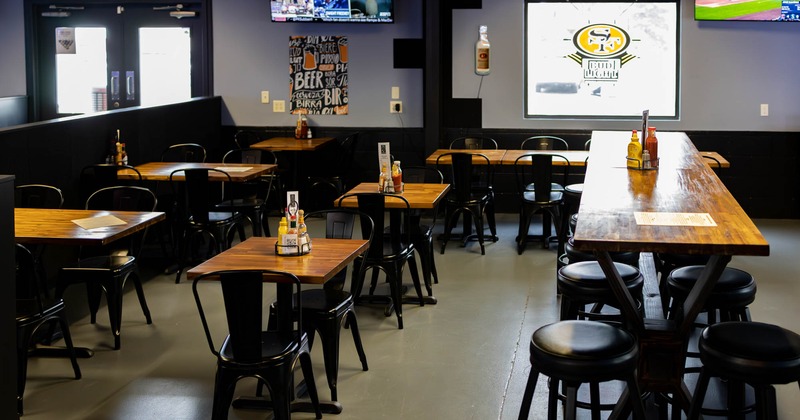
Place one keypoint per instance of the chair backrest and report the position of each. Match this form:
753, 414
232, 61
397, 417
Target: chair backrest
587, 145
714, 163
184, 152
95, 177
345, 158
473, 143
196, 195
422, 174
243, 295
38, 196
466, 172
245, 138
374, 205
339, 224
27, 281
123, 198
540, 173
248, 155
544, 143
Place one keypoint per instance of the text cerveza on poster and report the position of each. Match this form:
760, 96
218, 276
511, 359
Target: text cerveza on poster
318, 73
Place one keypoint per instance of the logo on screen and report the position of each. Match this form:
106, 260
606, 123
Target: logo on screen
601, 40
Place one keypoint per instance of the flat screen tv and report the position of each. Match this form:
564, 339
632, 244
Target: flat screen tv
753, 10
357, 11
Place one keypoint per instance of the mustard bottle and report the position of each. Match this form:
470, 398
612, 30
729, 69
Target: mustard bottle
283, 229
635, 152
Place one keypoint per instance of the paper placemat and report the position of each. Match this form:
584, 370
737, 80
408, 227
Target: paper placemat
234, 168
99, 222
674, 219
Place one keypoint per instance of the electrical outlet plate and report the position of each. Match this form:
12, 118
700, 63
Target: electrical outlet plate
395, 107
264, 96
278, 106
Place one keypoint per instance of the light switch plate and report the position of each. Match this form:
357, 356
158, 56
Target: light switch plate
395, 92
278, 106
264, 96
764, 110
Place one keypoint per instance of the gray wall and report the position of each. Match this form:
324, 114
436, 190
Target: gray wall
251, 54
12, 55
728, 68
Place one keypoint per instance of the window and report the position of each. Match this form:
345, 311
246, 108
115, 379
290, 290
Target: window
601, 59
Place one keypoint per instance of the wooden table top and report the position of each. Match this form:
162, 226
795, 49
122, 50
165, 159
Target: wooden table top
419, 195
55, 226
291, 144
160, 171
495, 155
575, 157
684, 183
327, 257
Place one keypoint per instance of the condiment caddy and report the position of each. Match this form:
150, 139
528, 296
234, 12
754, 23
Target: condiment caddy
293, 238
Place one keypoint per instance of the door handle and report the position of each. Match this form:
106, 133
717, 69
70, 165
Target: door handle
114, 85
130, 84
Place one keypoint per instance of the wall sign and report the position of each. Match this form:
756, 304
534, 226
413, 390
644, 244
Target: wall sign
318, 73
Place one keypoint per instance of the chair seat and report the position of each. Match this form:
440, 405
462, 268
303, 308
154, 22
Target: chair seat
114, 263
238, 203
28, 310
752, 352
326, 300
555, 198
553, 187
583, 351
274, 347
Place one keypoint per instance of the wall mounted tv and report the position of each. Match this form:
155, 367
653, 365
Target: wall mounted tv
753, 10
356, 11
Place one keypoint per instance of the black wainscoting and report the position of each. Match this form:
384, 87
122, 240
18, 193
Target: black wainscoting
54, 152
763, 176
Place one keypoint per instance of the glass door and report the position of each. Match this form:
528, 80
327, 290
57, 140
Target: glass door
98, 57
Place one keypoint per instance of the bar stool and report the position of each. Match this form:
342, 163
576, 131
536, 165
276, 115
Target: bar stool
754, 353
734, 290
585, 283
577, 352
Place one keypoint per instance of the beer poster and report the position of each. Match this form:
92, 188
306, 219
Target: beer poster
318, 73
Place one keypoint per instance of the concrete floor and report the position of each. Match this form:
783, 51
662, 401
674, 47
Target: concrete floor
464, 358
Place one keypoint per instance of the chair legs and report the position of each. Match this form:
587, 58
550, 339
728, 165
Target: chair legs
394, 276
330, 332
24, 335
451, 219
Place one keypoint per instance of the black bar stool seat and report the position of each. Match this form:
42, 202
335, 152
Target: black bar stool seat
734, 290
576, 352
585, 283
754, 353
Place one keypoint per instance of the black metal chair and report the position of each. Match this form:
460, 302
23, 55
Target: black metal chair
544, 143
470, 193
108, 269
102, 175
251, 198
337, 165
473, 143
539, 173
198, 208
250, 349
423, 222
326, 310
387, 253
33, 310
38, 196
184, 152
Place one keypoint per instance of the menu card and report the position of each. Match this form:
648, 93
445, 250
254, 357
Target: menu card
99, 222
674, 219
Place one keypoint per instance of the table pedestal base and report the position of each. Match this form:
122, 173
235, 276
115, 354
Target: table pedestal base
256, 403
